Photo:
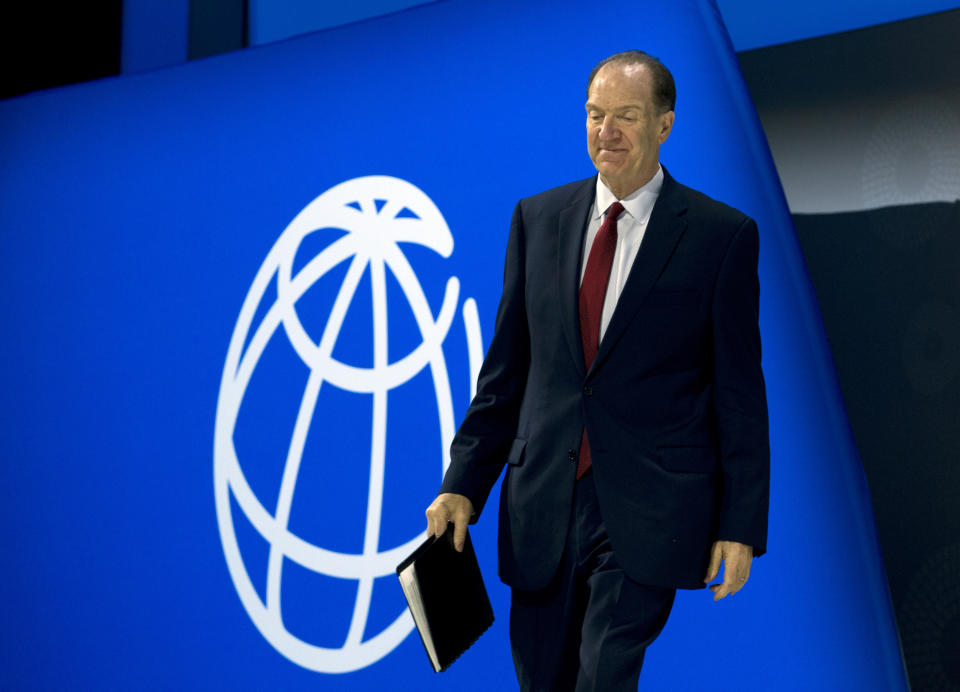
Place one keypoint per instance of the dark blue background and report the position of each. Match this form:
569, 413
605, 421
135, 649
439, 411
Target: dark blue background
135, 212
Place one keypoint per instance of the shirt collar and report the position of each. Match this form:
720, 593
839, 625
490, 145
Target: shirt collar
639, 203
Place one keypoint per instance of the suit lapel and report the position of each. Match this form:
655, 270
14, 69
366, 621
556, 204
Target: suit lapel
664, 230
572, 228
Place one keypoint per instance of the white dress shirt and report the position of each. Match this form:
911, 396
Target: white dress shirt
631, 225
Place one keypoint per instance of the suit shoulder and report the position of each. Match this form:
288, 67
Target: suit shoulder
709, 209
561, 196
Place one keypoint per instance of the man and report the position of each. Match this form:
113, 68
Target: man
622, 389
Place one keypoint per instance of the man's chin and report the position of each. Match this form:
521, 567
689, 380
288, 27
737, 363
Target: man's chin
610, 167
609, 173
611, 177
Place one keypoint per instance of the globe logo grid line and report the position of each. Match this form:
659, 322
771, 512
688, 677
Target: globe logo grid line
378, 212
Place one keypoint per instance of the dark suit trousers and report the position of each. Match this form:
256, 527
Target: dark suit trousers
589, 628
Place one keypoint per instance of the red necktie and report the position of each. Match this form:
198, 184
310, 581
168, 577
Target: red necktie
593, 290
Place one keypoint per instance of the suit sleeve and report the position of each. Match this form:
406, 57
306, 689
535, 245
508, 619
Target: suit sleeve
480, 447
740, 395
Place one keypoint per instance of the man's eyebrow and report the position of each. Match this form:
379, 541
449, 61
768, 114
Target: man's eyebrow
618, 109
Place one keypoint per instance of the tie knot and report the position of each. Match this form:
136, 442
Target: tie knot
614, 211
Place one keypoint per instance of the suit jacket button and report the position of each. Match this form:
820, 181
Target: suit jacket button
572, 454
588, 391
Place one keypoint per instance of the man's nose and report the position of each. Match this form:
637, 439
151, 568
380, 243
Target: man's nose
608, 128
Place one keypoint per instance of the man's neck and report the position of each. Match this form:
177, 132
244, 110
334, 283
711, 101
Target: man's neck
627, 188
622, 191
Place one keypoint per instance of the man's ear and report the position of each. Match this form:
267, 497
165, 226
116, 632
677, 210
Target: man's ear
666, 125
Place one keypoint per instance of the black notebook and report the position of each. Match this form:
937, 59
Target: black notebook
446, 596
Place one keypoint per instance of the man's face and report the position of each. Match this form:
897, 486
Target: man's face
624, 131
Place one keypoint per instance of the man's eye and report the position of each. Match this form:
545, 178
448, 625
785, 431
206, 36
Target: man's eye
628, 118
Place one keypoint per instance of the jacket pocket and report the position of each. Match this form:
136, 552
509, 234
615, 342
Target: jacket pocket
515, 457
689, 459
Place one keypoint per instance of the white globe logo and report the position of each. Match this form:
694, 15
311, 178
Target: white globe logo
377, 212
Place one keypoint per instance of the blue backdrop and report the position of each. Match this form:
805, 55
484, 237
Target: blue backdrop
227, 383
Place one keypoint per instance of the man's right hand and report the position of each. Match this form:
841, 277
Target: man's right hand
446, 508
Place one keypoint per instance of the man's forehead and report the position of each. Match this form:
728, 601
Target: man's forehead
628, 81
630, 71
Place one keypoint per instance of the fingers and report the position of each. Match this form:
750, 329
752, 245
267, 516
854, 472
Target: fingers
437, 517
726, 588
460, 532
461, 511
737, 559
716, 555
446, 508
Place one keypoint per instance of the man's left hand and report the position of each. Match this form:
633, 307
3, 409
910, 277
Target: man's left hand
736, 558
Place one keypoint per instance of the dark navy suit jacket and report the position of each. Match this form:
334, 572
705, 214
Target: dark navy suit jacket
674, 404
